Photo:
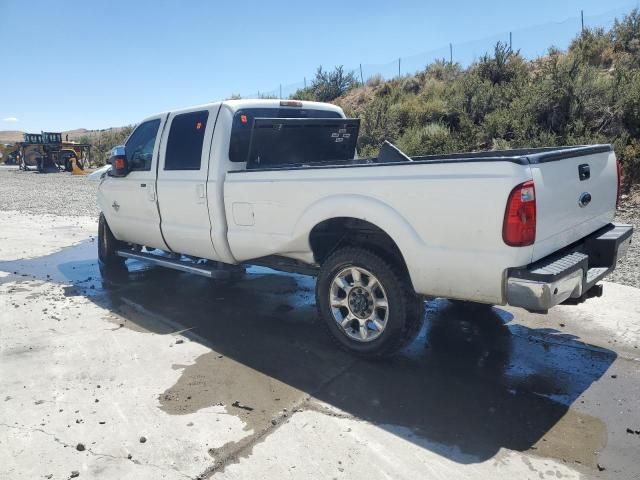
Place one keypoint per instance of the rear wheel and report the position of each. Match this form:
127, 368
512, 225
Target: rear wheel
108, 245
367, 305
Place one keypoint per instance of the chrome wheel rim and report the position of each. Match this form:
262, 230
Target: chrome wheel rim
359, 304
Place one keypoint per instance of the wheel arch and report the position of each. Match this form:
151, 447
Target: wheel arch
358, 220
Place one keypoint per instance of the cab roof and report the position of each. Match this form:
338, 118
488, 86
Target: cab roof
235, 105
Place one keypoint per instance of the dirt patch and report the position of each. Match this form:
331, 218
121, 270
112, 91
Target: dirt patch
628, 270
560, 441
216, 380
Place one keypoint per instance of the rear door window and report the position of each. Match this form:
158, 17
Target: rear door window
243, 122
184, 147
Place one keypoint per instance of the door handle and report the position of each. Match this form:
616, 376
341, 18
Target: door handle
151, 191
200, 194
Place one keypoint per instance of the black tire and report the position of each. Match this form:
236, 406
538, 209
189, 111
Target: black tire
107, 246
405, 307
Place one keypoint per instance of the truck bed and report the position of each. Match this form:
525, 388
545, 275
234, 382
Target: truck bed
445, 212
526, 156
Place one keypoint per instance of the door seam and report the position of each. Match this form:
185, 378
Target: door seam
164, 125
206, 183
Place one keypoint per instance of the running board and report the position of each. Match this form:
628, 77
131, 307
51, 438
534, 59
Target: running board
209, 271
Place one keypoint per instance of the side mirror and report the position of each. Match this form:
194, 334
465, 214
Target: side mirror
118, 161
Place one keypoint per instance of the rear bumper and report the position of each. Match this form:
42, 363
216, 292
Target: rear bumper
569, 273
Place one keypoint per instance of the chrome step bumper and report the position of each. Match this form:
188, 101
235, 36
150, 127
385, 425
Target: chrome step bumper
569, 273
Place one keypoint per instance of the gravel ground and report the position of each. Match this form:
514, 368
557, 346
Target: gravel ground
47, 193
628, 270
50, 193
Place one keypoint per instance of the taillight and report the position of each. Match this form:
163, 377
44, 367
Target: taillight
519, 227
619, 168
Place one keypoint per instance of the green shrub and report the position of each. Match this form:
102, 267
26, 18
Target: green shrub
327, 86
588, 94
431, 139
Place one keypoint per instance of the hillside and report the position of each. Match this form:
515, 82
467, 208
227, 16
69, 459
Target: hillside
586, 95
10, 136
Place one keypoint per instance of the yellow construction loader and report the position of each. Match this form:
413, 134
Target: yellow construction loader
47, 152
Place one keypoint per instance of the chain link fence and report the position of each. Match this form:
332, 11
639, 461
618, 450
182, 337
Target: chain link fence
532, 42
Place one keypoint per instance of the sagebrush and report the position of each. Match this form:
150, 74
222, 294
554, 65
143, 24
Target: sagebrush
585, 95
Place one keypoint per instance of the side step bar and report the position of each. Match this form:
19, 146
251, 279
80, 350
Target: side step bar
206, 270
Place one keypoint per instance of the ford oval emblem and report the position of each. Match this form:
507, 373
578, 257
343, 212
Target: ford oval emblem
584, 200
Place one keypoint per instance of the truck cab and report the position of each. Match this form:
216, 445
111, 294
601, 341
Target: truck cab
172, 196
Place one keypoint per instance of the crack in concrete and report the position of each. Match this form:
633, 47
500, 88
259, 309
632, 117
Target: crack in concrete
91, 452
244, 446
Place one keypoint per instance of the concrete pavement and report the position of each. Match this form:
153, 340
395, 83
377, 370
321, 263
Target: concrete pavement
158, 374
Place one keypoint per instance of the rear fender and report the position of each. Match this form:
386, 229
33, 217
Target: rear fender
364, 208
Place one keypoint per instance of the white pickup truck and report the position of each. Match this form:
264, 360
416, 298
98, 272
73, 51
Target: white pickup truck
278, 183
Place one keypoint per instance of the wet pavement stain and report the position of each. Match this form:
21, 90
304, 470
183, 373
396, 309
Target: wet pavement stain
560, 440
215, 380
474, 379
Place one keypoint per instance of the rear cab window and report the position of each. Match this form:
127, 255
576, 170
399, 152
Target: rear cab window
186, 136
243, 122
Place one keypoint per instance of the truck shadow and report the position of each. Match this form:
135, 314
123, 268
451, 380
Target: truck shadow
473, 382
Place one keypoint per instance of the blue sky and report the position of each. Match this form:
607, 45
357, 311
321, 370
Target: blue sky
97, 64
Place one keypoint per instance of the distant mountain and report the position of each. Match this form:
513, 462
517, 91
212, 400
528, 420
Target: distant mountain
10, 136
13, 136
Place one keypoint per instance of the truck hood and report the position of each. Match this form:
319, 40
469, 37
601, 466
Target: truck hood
99, 174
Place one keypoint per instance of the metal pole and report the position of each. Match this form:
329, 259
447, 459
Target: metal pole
582, 19
451, 53
305, 82
510, 41
280, 90
398, 68
361, 77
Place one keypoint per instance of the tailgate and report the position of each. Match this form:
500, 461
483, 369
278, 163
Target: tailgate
576, 191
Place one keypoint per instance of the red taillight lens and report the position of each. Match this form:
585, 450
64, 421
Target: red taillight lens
519, 227
619, 168
119, 163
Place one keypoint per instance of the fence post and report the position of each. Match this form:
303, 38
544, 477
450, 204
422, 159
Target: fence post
361, 77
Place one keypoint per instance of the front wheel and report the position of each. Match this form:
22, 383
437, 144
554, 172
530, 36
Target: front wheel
367, 305
107, 246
